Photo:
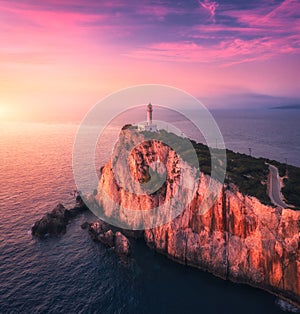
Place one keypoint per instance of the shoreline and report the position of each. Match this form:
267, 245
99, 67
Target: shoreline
139, 235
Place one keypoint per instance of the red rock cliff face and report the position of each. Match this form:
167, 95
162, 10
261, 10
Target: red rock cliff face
238, 238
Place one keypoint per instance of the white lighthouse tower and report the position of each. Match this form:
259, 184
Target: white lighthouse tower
149, 114
149, 126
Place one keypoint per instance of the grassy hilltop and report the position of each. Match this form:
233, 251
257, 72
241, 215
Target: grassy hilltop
249, 173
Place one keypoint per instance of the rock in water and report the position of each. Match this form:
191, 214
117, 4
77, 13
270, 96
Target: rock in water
100, 231
56, 221
107, 238
122, 244
96, 228
52, 223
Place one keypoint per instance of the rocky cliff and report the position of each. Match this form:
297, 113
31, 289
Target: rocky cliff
238, 238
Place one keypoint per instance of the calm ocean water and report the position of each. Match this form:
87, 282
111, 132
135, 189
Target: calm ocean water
71, 273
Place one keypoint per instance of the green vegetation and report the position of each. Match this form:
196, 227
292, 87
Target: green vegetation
250, 174
291, 181
291, 189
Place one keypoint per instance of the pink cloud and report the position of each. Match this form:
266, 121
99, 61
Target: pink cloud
272, 21
258, 34
43, 36
281, 18
210, 6
156, 11
224, 53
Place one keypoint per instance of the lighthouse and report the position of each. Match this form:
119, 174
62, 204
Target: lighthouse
148, 126
149, 114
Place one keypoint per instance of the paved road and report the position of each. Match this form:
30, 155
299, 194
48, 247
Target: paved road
274, 189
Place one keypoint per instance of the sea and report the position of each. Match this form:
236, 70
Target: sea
72, 274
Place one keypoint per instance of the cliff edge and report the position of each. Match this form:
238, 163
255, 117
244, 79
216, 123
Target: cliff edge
238, 238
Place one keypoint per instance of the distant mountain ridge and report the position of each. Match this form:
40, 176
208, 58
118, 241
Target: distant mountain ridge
288, 107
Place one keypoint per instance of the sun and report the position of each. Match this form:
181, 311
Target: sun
4, 111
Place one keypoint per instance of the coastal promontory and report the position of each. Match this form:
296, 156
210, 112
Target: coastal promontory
240, 238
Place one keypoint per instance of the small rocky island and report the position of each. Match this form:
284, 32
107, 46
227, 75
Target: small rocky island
243, 237
56, 221
102, 232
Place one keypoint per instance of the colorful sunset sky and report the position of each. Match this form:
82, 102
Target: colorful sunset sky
59, 57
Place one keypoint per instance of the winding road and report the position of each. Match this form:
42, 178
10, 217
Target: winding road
274, 188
